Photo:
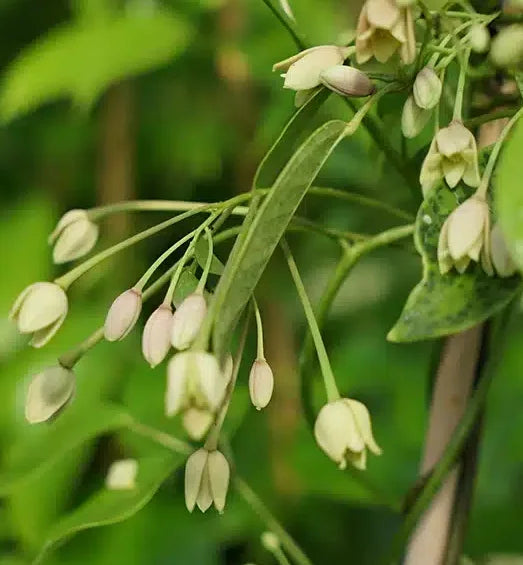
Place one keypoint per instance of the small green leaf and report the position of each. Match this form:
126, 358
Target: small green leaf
109, 506
445, 304
81, 59
187, 284
259, 238
509, 195
47, 442
201, 252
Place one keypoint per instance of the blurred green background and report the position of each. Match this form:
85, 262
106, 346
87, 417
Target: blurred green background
106, 101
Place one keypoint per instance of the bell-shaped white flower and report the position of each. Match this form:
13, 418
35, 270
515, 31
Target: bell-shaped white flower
122, 475
40, 310
302, 71
427, 88
453, 155
156, 338
465, 236
196, 422
383, 28
207, 476
500, 256
413, 118
48, 393
261, 383
122, 315
74, 236
343, 430
194, 379
347, 81
187, 320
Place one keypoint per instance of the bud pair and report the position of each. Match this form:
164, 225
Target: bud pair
343, 430
207, 476
40, 310
465, 237
48, 393
385, 27
74, 236
452, 155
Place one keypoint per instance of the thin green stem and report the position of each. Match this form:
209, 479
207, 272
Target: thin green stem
278, 554
160, 437
259, 330
328, 376
272, 524
287, 24
203, 279
460, 91
489, 169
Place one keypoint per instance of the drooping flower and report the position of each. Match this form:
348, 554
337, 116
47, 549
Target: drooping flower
343, 430
384, 27
207, 476
187, 320
74, 236
261, 383
156, 338
40, 310
48, 393
452, 155
465, 237
123, 315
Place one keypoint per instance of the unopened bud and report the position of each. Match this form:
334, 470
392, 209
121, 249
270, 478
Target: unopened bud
49, 392
347, 81
122, 315
207, 476
500, 256
187, 320
74, 236
413, 118
156, 339
40, 310
122, 475
261, 383
507, 47
427, 88
479, 38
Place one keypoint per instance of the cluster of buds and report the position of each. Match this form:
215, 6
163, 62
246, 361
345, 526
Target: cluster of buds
452, 155
384, 27
323, 65
425, 96
343, 430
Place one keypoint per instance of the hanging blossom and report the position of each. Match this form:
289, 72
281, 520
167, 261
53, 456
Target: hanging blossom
385, 27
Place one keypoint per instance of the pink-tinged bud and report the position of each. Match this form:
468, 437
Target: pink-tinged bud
156, 338
187, 320
123, 314
74, 236
347, 81
40, 310
48, 393
261, 383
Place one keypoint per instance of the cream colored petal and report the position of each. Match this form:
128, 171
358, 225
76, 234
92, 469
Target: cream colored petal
304, 74
364, 424
453, 171
358, 460
382, 13
454, 139
176, 392
42, 306
75, 241
187, 320
408, 49
384, 46
208, 379
431, 171
475, 249
286, 63
43, 336
204, 499
471, 174
466, 224
194, 471
219, 474
68, 218
196, 422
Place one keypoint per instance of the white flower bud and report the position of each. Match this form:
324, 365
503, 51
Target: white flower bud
196, 422
479, 38
122, 475
347, 81
413, 118
343, 430
40, 310
302, 71
502, 261
507, 47
122, 315
464, 236
156, 338
453, 154
74, 236
187, 320
194, 379
49, 392
261, 383
207, 476
427, 88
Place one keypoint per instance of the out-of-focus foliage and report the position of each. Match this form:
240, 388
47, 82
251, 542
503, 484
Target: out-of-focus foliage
194, 124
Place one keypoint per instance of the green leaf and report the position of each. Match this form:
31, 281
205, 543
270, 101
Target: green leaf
201, 253
109, 506
83, 58
260, 237
508, 193
45, 444
187, 284
445, 304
